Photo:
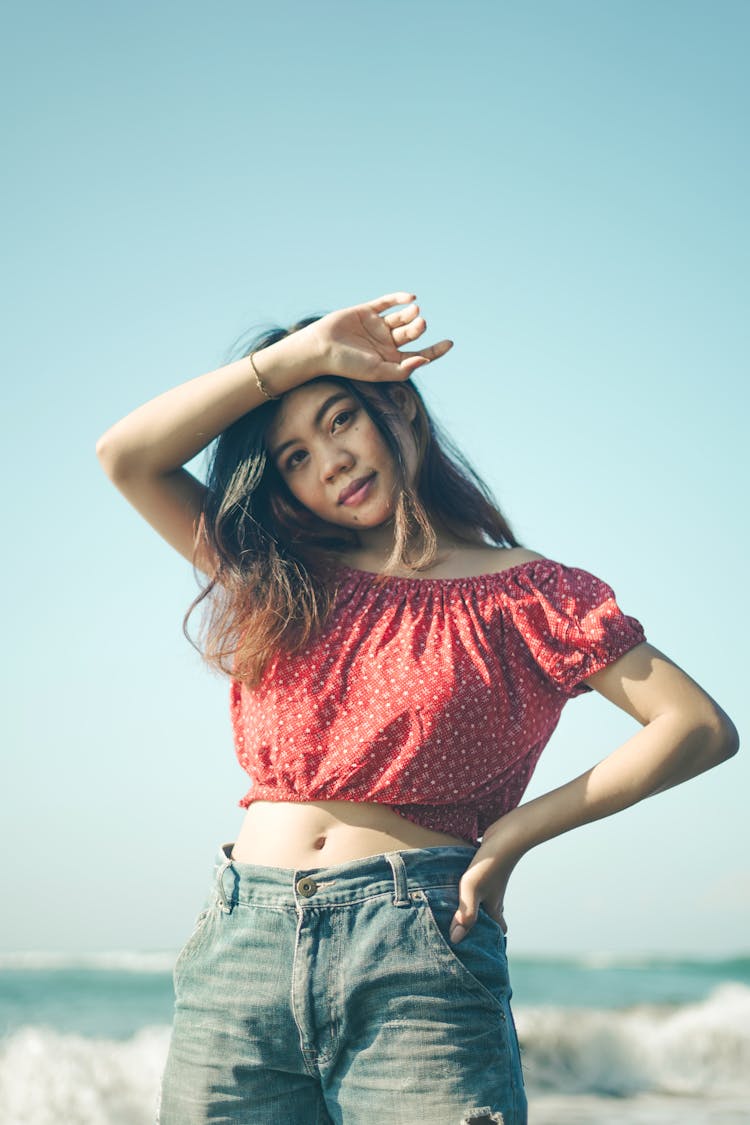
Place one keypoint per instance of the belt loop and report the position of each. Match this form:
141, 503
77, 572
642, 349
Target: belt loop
400, 885
220, 871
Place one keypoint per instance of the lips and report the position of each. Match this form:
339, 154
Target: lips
354, 487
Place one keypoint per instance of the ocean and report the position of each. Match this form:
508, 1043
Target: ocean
605, 1040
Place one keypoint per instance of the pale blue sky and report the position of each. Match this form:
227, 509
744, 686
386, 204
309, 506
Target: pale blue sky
564, 186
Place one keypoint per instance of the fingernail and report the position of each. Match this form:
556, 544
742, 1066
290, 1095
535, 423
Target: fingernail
457, 932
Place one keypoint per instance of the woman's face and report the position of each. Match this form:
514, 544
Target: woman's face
323, 442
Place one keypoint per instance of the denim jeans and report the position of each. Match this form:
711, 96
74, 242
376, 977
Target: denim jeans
334, 995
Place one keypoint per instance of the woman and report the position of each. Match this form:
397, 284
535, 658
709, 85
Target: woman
397, 663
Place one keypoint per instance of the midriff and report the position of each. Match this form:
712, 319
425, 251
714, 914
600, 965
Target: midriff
321, 833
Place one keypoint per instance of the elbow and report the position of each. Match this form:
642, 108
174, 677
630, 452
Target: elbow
730, 742
110, 459
103, 452
722, 738
708, 737
702, 741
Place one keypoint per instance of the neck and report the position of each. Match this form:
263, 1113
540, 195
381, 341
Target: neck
376, 544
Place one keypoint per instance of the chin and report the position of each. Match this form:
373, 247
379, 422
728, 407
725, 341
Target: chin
375, 519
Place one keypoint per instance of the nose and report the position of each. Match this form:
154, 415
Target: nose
335, 461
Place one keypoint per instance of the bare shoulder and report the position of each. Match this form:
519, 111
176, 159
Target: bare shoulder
489, 560
514, 556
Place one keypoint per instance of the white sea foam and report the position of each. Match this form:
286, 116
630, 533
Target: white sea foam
695, 1049
664, 1063
645, 1109
47, 1078
122, 960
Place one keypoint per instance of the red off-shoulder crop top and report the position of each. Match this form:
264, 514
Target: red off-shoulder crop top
433, 696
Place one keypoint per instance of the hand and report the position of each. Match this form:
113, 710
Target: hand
360, 343
485, 880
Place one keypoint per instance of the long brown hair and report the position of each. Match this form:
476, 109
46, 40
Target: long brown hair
270, 588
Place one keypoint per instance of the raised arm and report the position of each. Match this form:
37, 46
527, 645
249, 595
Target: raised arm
144, 453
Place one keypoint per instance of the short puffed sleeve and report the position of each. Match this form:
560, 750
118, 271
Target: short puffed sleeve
570, 622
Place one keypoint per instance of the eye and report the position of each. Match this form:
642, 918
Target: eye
290, 462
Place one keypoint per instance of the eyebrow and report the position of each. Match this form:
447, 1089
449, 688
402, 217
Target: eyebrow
319, 415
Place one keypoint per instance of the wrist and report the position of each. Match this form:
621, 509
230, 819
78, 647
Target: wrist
289, 362
507, 835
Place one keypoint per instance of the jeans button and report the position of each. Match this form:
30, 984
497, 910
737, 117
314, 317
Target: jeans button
307, 886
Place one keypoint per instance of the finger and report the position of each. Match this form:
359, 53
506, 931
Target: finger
497, 916
411, 361
401, 316
464, 918
501, 918
380, 304
409, 332
398, 372
434, 351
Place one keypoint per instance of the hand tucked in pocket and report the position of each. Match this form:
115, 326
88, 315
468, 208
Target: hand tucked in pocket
484, 881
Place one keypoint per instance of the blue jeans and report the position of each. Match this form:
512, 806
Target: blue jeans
334, 995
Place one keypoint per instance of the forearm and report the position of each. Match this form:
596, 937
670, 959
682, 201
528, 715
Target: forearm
169, 430
666, 752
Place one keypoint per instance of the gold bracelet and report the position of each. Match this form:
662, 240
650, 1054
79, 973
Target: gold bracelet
261, 388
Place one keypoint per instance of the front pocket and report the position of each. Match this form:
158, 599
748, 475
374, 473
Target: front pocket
194, 942
478, 961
